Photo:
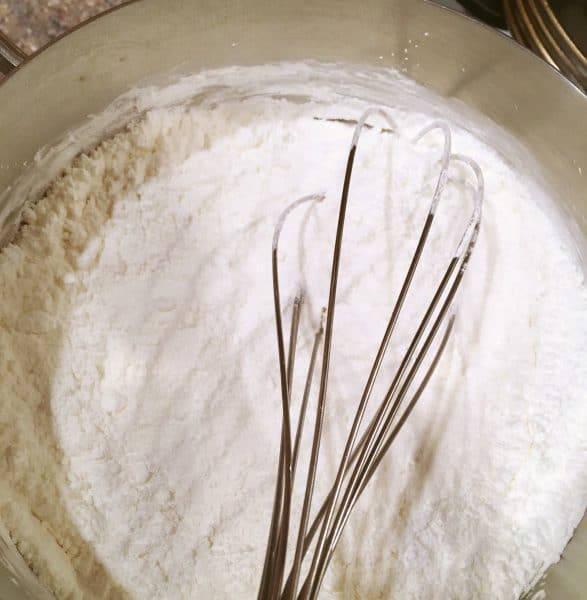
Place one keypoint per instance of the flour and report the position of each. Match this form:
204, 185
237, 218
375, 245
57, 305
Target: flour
140, 424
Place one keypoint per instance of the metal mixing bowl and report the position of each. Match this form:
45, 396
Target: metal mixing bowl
82, 73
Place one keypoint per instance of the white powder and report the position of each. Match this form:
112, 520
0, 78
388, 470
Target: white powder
139, 427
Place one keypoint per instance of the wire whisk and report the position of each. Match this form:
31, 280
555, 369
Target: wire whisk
315, 541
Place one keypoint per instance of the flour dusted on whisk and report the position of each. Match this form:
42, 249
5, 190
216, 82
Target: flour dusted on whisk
141, 415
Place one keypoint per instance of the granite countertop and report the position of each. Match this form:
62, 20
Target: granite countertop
33, 23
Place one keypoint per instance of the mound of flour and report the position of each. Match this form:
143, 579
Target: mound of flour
139, 426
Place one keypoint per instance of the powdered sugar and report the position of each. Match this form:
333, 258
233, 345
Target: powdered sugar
138, 352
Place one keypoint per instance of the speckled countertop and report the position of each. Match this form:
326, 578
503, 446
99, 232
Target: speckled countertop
33, 23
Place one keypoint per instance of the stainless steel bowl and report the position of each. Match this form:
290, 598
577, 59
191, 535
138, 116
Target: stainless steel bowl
55, 90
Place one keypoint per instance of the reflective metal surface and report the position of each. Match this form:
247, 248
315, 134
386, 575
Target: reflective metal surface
10, 55
457, 58
556, 30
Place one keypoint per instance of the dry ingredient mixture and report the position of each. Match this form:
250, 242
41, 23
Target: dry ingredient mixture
140, 413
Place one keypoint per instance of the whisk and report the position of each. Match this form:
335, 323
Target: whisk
316, 541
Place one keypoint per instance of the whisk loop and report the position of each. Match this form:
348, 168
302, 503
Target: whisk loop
361, 455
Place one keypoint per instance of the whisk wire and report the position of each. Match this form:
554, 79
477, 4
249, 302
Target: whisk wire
351, 439
360, 459
320, 406
300, 550
375, 452
278, 533
281, 542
